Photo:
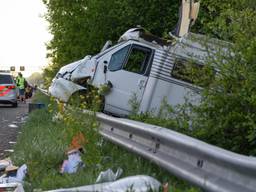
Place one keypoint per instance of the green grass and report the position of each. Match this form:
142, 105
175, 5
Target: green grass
42, 145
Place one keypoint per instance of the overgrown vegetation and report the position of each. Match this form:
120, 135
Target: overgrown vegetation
226, 115
44, 141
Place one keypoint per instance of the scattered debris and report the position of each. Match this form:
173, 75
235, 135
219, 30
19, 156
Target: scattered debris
77, 142
109, 175
15, 187
140, 183
5, 163
12, 174
9, 150
57, 117
73, 163
12, 126
23, 119
21, 173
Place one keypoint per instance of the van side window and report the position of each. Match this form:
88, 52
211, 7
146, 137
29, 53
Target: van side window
138, 60
117, 59
192, 72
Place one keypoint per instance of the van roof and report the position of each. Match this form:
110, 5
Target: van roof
141, 35
193, 40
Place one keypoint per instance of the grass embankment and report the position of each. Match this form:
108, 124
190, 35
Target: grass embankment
43, 143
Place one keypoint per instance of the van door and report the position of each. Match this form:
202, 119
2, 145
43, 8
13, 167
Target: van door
128, 72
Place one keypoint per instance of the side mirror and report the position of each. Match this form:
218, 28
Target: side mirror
105, 68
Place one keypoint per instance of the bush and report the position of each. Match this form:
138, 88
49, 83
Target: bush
226, 117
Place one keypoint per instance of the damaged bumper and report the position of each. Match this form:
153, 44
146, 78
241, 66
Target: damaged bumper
62, 89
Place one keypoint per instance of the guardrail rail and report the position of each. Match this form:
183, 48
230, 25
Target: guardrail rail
44, 91
207, 166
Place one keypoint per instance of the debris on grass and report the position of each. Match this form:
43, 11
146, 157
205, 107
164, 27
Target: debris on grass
5, 163
15, 187
73, 163
14, 174
138, 183
12, 126
109, 175
12, 177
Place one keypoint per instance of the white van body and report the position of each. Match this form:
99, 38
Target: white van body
151, 81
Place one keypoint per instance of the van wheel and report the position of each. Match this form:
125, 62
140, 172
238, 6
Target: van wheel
15, 105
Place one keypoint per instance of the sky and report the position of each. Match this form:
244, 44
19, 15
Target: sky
23, 35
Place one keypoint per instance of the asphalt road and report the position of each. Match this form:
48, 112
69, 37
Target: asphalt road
11, 120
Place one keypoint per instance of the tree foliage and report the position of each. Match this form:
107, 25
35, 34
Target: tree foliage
226, 115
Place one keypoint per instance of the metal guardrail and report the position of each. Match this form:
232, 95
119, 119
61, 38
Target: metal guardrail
44, 91
207, 166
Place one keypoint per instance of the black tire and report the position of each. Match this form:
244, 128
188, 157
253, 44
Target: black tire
15, 105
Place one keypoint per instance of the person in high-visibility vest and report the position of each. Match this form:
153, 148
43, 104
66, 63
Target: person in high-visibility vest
21, 84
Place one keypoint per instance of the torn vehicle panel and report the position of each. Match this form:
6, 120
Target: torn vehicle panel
63, 89
188, 15
139, 183
84, 70
72, 78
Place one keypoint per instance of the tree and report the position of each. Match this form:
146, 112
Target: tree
36, 78
226, 116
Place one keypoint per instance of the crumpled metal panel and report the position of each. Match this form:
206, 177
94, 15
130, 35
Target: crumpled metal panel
62, 89
87, 69
72, 66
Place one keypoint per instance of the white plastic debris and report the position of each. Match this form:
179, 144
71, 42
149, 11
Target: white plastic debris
18, 178
73, 163
9, 150
109, 175
57, 117
5, 163
139, 183
12, 126
21, 173
17, 187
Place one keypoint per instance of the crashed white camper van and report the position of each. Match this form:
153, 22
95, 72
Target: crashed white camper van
140, 64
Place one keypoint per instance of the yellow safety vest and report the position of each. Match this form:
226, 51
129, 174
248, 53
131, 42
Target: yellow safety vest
21, 82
